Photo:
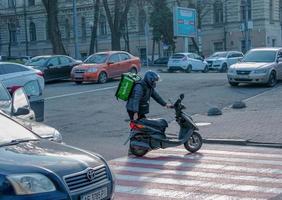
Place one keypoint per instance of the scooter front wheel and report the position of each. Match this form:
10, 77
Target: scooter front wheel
194, 143
139, 152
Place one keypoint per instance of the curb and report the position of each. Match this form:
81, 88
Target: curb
242, 143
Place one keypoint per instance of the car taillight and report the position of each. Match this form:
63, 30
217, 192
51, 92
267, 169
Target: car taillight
40, 73
132, 125
12, 89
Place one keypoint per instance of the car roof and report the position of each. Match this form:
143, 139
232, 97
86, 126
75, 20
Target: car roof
185, 53
2, 63
267, 49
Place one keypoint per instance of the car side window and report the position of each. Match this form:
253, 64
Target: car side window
12, 68
32, 88
53, 62
65, 60
114, 58
191, 56
124, 56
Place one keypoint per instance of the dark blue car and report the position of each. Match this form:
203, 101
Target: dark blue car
32, 168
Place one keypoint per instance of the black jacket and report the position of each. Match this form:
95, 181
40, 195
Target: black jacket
140, 98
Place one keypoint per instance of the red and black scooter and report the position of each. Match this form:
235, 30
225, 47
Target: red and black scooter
149, 134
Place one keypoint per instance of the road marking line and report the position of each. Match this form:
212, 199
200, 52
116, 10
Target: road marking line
77, 93
193, 183
172, 193
195, 174
201, 165
214, 158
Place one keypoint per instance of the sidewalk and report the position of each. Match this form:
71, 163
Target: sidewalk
261, 121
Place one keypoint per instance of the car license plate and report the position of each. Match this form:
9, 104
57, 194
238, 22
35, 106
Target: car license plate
97, 195
78, 75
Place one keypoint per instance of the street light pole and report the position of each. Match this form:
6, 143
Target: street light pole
75, 28
246, 25
25, 30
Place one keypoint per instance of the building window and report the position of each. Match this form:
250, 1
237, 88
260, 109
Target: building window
31, 2
11, 3
218, 12
47, 31
12, 32
67, 29
103, 25
273, 42
218, 46
141, 21
271, 11
32, 31
83, 28
246, 4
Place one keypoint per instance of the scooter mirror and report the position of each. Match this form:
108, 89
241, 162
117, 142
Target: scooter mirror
181, 96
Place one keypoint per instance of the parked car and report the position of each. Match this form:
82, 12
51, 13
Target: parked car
27, 119
144, 62
54, 67
36, 168
161, 61
14, 75
102, 66
221, 61
187, 62
261, 65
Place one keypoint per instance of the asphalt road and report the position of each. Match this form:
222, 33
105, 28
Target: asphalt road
89, 116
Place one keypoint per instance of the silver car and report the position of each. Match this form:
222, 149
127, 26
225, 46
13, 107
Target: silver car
261, 65
221, 61
26, 117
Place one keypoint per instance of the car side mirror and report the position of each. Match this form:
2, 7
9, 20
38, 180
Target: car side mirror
50, 65
110, 62
20, 103
279, 59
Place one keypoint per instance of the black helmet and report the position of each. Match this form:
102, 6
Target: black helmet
151, 78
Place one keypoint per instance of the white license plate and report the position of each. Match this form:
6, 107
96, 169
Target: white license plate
78, 75
244, 76
97, 195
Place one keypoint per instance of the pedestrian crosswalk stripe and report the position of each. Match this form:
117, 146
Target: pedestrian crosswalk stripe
173, 194
117, 169
229, 159
201, 165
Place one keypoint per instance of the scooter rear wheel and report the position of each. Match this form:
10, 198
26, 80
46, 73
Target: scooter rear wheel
194, 143
138, 151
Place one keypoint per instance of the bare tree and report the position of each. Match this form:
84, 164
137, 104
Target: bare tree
51, 7
93, 41
116, 19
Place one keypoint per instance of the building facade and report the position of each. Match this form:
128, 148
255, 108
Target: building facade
23, 26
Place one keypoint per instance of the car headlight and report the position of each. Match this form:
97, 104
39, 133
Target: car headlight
32, 183
92, 70
260, 71
231, 71
57, 137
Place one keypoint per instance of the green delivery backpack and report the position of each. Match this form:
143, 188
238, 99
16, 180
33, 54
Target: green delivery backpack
126, 85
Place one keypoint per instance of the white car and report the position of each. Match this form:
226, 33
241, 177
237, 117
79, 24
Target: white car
221, 61
187, 62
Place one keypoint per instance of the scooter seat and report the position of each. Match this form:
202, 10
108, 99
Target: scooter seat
160, 124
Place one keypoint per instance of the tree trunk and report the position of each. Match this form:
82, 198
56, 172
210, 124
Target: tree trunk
117, 22
153, 51
195, 45
159, 48
93, 41
54, 33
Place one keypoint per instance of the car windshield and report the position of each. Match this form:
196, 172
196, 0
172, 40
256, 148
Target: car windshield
178, 56
260, 56
219, 55
10, 130
39, 61
97, 59
5, 100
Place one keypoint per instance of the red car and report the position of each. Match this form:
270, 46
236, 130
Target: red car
102, 66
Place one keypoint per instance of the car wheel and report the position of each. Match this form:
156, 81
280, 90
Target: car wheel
223, 68
206, 69
233, 84
78, 82
272, 79
102, 78
189, 69
133, 70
